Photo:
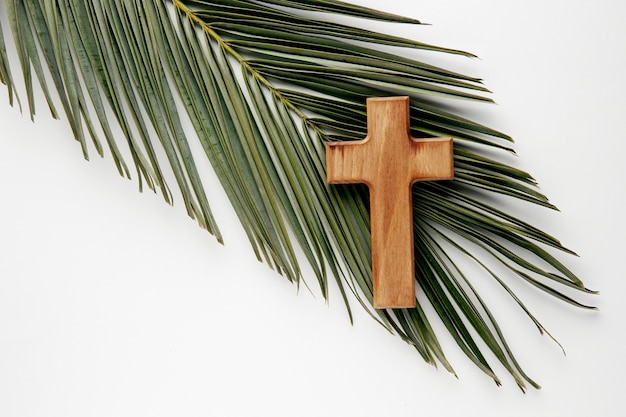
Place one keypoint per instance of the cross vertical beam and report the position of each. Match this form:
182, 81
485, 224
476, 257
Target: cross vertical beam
389, 161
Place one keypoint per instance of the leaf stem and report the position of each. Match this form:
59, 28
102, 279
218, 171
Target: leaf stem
247, 67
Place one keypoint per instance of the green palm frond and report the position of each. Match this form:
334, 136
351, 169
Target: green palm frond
265, 84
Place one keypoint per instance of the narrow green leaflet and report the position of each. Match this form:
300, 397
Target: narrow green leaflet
265, 84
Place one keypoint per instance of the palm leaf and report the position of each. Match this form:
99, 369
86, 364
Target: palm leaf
264, 84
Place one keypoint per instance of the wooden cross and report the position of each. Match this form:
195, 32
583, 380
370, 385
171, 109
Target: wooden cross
389, 161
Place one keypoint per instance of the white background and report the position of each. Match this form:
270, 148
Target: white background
114, 304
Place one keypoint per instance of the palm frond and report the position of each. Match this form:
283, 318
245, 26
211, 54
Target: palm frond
265, 84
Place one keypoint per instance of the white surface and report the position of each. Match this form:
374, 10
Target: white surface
114, 304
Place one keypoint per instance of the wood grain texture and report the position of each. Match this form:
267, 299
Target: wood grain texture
389, 161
